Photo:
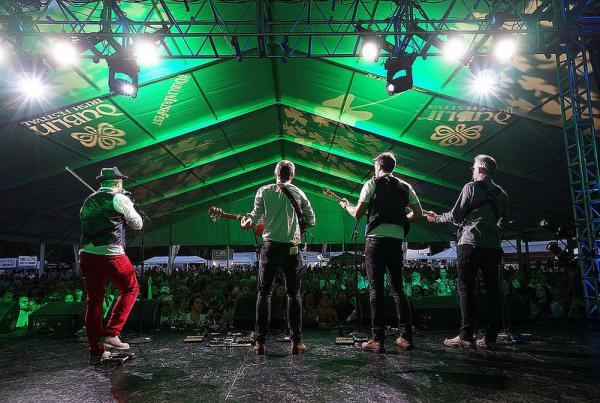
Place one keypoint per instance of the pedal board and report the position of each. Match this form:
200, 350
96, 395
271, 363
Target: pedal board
118, 358
193, 339
344, 341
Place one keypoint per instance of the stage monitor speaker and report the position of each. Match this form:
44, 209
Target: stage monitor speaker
58, 318
9, 314
150, 317
435, 312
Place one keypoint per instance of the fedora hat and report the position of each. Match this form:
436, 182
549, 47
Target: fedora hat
107, 174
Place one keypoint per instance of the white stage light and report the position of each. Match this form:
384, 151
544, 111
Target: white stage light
31, 87
455, 48
505, 49
146, 53
370, 50
128, 90
485, 82
64, 53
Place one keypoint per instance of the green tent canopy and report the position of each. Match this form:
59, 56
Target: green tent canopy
209, 132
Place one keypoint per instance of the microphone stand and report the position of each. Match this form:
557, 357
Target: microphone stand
141, 339
354, 239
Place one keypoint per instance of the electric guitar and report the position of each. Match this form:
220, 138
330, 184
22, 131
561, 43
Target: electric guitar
215, 213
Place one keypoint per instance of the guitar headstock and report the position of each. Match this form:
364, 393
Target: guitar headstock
215, 212
327, 192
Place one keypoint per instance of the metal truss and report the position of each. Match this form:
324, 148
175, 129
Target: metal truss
582, 155
282, 29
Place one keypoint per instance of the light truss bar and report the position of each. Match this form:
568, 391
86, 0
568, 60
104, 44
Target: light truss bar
582, 160
276, 29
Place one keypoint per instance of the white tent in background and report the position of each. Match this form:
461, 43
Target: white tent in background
412, 254
448, 254
244, 258
179, 260
534, 247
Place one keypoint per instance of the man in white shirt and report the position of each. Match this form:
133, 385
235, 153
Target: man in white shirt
102, 259
385, 199
286, 213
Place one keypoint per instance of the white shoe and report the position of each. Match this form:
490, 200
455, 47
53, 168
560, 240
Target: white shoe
113, 342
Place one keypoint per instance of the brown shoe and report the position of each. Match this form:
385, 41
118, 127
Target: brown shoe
299, 348
373, 345
259, 349
484, 344
404, 344
113, 342
458, 342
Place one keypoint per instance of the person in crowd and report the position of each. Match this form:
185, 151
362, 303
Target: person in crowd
102, 259
78, 295
327, 315
195, 317
310, 315
69, 298
445, 286
24, 312
385, 199
286, 212
415, 280
343, 306
481, 211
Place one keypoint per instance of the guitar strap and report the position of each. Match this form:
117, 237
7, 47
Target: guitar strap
296, 207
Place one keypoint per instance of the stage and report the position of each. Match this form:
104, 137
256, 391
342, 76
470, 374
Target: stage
561, 365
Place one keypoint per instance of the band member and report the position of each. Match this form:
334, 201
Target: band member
481, 210
102, 259
385, 199
286, 209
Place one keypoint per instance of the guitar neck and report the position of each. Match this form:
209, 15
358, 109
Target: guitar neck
232, 216
333, 195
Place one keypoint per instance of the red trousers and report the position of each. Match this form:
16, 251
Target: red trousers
97, 271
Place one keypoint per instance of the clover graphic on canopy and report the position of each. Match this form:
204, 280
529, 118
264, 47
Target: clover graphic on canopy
106, 136
350, 114
458, 136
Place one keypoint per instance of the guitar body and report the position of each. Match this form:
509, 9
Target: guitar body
259, 229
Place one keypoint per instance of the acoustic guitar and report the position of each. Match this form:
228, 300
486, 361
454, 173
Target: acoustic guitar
329, 193
215, 213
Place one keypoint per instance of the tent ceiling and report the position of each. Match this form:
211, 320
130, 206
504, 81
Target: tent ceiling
203, 132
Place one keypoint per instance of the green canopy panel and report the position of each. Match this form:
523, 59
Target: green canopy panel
209, 132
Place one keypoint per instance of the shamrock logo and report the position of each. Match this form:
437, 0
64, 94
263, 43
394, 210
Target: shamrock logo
350, 114
458, 136
106, 136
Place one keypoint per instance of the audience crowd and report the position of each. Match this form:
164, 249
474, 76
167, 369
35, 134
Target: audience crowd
199, 296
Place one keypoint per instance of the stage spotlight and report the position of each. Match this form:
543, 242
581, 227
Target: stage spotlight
485, 82
128, 89
64, 53
455, 48
505, 48
31, 86
123, 75
370, 49
146, 53
399, 74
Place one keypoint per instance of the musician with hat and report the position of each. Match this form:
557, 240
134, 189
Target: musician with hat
102, 259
